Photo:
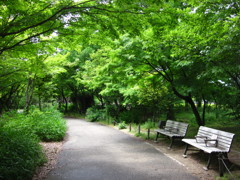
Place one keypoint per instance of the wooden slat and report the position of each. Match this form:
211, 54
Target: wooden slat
224, 139
174, 129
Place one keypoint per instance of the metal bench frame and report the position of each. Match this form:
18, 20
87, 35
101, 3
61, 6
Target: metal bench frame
221, 146
174, 130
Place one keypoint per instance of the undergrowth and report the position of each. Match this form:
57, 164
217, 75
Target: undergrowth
20, 134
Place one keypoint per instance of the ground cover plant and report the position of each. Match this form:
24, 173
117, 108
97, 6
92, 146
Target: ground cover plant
20, 134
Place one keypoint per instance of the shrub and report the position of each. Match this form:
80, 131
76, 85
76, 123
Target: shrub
19, 122
95, 114
20, 154
48, 124
122, 125
20, 151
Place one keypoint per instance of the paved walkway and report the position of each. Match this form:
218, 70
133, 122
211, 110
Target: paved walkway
97, 152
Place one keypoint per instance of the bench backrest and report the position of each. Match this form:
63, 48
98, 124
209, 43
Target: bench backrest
182, 127
224, 138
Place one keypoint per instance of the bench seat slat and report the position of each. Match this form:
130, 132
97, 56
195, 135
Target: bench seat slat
223, 143
203, 147
173, 129
224, 140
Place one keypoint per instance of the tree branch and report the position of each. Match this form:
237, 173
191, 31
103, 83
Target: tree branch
21, 41
44, 21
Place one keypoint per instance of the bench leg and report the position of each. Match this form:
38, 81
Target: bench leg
185, 152
209, 162
220, 164
172, 139
223, 159
156, 137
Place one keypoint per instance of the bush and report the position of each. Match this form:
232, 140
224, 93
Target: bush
122, 125
20, 154
48, 124
20, 151
95, 114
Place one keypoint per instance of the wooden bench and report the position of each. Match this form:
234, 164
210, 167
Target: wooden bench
211, 141
174, 130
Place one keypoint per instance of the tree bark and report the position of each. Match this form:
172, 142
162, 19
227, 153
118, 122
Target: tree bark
190, 101
65, 100
29, 94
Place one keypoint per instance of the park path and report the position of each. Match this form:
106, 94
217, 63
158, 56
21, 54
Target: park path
97, 152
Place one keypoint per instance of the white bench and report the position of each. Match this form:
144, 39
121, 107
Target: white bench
174, 130
211, 141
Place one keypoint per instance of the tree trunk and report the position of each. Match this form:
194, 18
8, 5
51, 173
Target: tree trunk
29, 94
199, 120
39, 102
204, 109
65, 100
189, 100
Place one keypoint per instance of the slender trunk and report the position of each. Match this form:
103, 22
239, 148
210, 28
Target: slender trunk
100, 98
118, 108
29, 94
204, 109
65, 100
1, 107
39, 102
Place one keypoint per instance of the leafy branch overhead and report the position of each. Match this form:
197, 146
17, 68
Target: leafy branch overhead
78, 51
24, 21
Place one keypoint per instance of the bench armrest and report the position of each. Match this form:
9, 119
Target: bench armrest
200, 138
203, 137
211, 142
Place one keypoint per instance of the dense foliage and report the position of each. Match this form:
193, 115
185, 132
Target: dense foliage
122, 55
120, 60
20, 154
47, 125
20, 134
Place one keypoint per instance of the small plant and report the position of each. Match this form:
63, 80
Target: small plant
122, 125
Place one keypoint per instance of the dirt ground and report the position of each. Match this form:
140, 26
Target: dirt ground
194, 163
51, 150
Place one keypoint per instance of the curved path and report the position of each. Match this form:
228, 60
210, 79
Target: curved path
97, 152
